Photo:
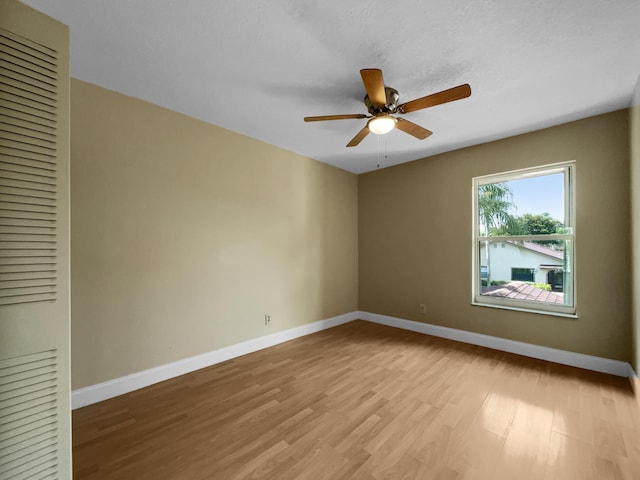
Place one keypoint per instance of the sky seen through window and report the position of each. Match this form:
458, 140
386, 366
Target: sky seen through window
538, 195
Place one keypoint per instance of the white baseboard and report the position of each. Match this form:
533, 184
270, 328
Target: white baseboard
635, 384
580, 360
119, 386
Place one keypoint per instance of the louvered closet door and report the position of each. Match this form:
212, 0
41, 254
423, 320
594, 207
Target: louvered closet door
34, 246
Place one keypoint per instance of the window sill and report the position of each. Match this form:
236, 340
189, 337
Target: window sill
526, 310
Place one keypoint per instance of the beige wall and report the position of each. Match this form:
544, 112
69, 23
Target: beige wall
415, 237
185, 234
634, 129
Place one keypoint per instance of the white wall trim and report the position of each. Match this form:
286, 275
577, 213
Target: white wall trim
119, 386
580, 360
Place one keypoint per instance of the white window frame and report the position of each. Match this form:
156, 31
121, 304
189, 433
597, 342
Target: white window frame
565, 310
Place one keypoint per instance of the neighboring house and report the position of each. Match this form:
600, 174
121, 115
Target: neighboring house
523, 261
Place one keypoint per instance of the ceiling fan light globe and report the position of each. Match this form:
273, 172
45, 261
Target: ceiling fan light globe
381, 124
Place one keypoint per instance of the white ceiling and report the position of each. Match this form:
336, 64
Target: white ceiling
258, 67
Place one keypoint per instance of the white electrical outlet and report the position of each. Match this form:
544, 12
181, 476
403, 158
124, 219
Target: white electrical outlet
267, 319
423, 308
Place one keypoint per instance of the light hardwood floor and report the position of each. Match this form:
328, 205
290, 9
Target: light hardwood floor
365, 401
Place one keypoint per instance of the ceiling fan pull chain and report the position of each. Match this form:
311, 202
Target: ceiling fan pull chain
385, 148
378, 152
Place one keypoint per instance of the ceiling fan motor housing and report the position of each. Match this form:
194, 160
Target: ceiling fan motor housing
391, 105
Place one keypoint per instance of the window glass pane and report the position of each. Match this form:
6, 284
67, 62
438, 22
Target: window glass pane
526, 270
532, 205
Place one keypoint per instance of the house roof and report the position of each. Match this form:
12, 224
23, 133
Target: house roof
523, 291
259, 67
536, 247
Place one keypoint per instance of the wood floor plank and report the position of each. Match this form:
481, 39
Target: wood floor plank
365, 401
472, 462
570, 458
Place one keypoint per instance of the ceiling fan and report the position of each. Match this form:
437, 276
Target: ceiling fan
382, 102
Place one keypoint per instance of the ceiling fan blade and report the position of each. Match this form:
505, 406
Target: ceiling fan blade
455, 93
359, 137
374, 85
412, 129
334, 117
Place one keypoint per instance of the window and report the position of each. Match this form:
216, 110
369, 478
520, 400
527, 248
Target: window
483, 272
522, 274
524, 240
